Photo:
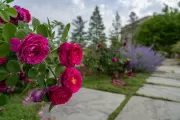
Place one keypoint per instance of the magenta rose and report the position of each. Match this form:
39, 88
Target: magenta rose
71, 79
70, 54
33, 49
58, 95
115, 60
125, 44
28, 15
14, 42
2, 60
23, 15
3, 86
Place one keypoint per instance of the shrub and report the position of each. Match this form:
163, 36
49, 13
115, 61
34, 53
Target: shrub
161, 31
142, 58
176, 48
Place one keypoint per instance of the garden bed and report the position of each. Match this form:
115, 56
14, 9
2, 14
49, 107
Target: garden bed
104, 83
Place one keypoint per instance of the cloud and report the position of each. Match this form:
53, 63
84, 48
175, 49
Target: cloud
67, 10
79, 3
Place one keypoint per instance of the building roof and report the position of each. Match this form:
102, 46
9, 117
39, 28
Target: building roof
138, 21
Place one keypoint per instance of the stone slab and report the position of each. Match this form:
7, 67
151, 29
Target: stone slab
167, 75
170, 62
169, 69
87, 104
141, 108
164, 81
170, 93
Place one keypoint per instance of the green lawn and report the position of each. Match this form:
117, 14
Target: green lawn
15, 110
104, 83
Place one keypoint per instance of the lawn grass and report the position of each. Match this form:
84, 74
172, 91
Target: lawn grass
15, 110
104, 83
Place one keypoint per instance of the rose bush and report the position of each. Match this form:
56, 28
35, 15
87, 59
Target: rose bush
28, 58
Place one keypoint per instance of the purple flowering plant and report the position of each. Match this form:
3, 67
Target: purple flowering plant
141, 58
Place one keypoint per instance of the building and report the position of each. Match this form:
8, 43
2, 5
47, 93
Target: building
128, 32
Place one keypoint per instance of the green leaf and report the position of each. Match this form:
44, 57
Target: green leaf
4, 49
42, 30
3, 100
51, 81
12, 80
65, 33
4, 15
9, 1
32, 73
21, 24
28, 87
3, 6
13, 66
9, 31
49, 24
45, 98
42, 69
21, 34
35, 23
3, 74
59, 69
12, 12
50, 107
41, 82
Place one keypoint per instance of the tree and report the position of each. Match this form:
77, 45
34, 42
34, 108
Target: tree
78, 34
161, 31
115, 33
96, 33
133, 18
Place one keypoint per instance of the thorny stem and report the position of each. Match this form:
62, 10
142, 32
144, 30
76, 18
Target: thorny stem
51, 70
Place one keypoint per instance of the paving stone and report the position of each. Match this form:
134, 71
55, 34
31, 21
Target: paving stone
169, 69
170, 62
87, 104
167, 75
141, 108
164, 81
170, 93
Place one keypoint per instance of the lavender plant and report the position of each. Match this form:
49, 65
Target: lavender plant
142, 58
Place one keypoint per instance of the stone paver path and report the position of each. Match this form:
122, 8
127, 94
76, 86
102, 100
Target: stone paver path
87, 104
164, 81
143, 108
90, 104
170, 93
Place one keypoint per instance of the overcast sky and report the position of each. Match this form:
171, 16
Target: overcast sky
66, 10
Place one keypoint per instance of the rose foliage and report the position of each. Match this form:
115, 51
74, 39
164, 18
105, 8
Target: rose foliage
29, 58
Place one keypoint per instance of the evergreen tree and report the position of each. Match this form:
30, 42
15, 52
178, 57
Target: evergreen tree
115, 33
96, 33
78, 34
133, 18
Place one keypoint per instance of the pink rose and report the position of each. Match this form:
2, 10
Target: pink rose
71, 79
14, 42
33, 49
2, 60
70, 54
58, 95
